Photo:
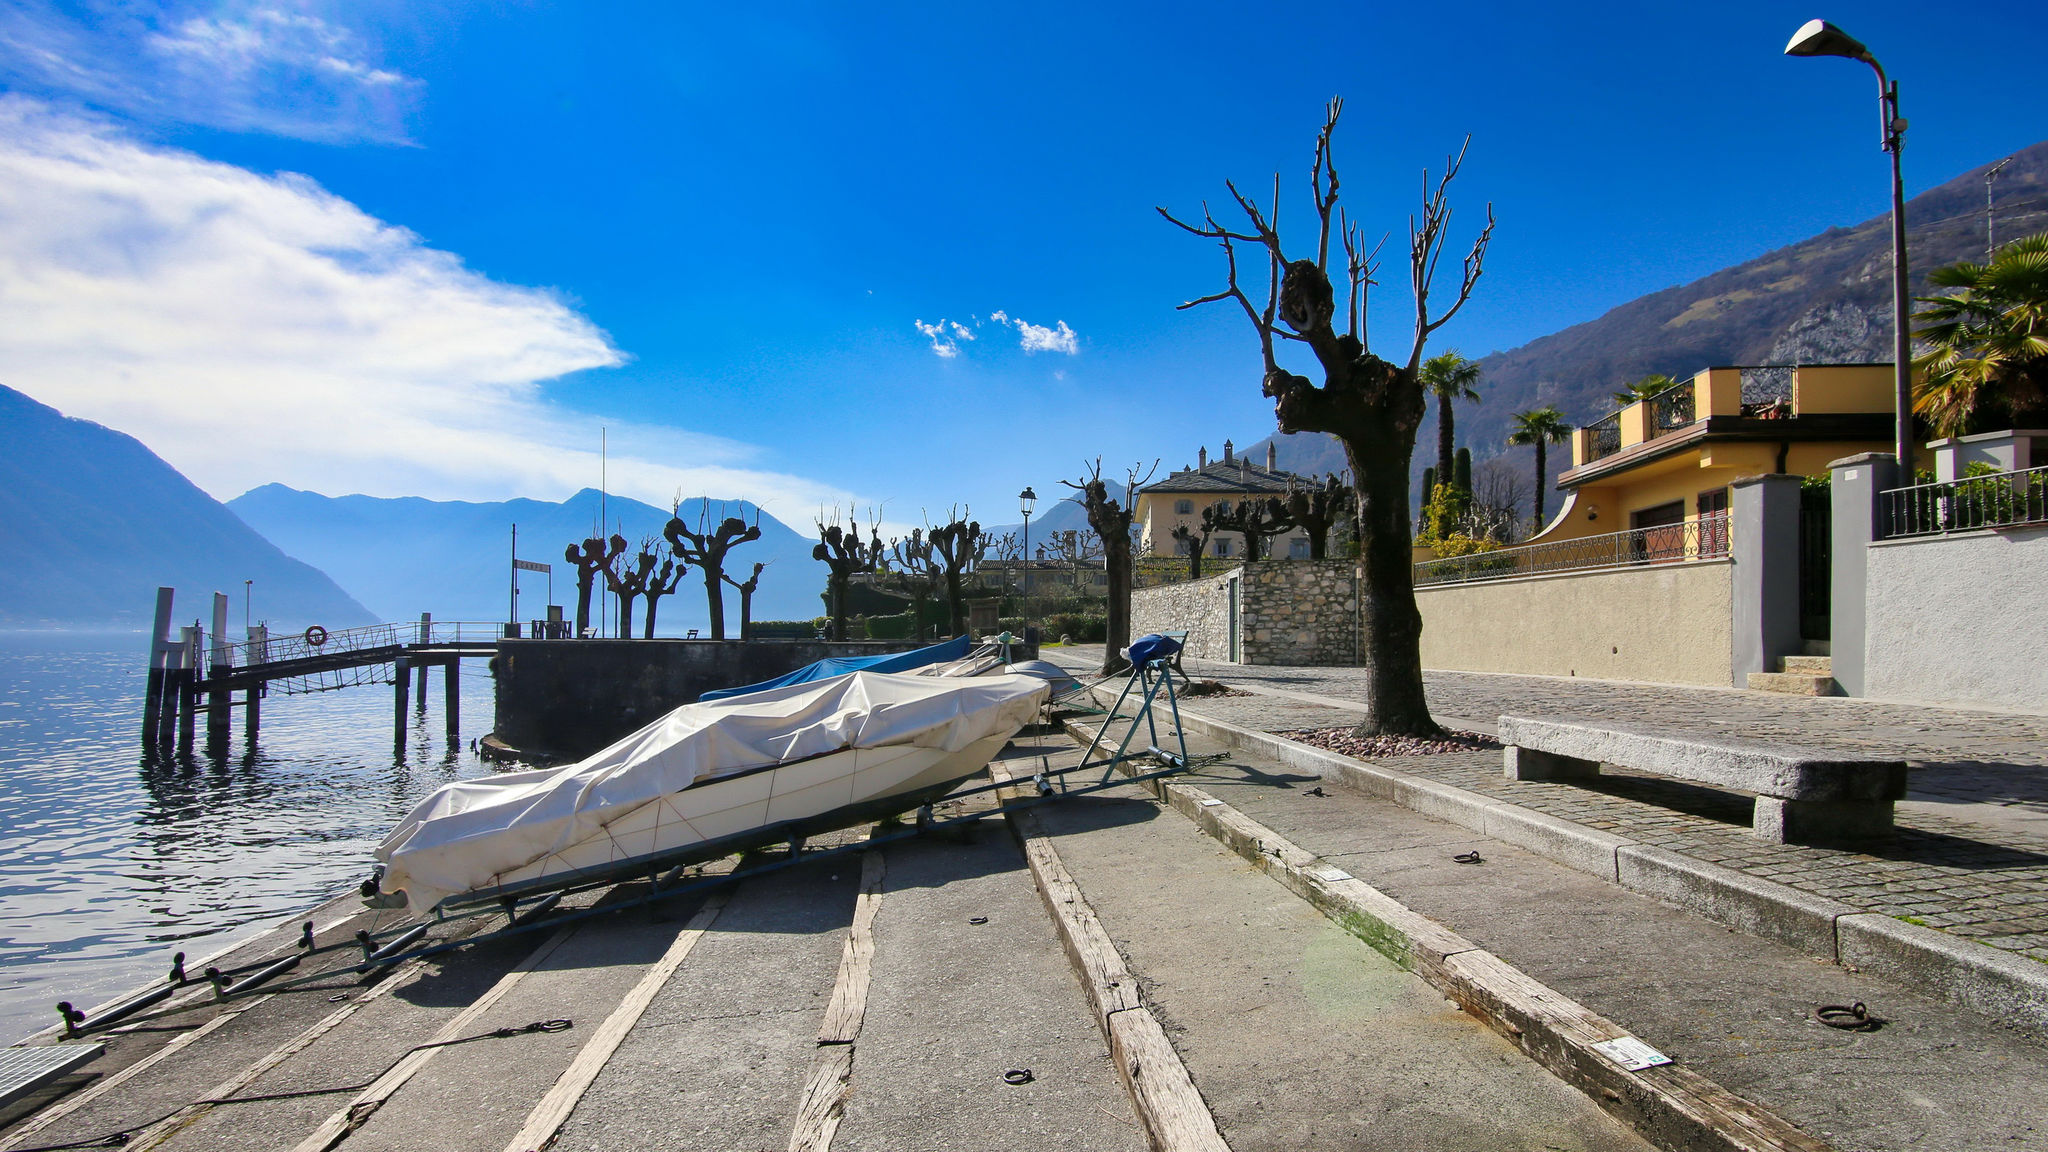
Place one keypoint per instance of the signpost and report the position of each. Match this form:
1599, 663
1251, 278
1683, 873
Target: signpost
518, 566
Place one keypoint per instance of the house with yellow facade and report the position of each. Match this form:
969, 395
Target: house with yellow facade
1178, 500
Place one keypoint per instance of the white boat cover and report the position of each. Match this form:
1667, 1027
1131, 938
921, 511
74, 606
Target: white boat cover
470, 831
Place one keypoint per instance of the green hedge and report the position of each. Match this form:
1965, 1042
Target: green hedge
785, 629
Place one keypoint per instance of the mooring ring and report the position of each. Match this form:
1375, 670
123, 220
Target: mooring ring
1018, 1076
316, 635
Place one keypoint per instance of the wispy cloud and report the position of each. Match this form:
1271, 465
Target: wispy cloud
272, 67
254, 329
947, 335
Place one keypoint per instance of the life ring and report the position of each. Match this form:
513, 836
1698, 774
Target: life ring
316, 635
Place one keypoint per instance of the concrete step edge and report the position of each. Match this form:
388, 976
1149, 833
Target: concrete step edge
1808, 665
1962, 972
1792, 683
1673, 1107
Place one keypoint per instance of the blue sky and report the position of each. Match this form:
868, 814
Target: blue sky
411, 249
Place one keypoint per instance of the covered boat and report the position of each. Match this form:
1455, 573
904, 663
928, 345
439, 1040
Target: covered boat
706, 780
940, 653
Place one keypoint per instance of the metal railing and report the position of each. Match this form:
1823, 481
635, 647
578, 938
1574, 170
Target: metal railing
300, 645
1670, 409
1606, 436
1993, 500
1705, 538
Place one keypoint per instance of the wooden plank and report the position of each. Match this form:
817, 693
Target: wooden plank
1176, 1117
554, 1108
824, 1100
850, 988
351, 1116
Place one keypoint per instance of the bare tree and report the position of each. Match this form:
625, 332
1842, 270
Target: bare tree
1253, 518
844, 554
1193, 541
746, 588
1495, 511
706, 548
660, 582
957, 546
1112, 524
592, 557
1319, 509
917, 573
1373, 406
628, 580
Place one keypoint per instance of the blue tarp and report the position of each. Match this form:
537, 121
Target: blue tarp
825, 669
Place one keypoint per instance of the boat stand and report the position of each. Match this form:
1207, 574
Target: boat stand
533, 909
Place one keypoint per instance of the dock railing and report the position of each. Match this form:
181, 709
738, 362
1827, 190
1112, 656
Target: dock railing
1704, 538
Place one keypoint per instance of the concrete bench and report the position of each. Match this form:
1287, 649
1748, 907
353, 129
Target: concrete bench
1801, 794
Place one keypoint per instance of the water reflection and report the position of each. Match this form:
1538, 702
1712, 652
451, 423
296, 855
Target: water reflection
110, 859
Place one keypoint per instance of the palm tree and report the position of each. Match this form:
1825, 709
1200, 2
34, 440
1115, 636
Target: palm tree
1643, 389
1542, 427
1987, 343
1447, 377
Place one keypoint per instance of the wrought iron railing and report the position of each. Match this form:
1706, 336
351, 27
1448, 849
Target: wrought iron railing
1606, 436
1670, 409
1993, 500
301, 645
1705, 538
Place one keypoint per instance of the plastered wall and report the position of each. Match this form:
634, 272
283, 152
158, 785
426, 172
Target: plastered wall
1959, 619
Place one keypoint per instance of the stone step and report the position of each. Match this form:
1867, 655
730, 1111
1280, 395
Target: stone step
1809, 665
1792, 683
1816, 647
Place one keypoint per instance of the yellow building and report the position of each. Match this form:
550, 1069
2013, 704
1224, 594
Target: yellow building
1670, 458
1179, 499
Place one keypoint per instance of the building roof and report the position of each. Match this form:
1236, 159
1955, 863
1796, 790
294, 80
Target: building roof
1234, 477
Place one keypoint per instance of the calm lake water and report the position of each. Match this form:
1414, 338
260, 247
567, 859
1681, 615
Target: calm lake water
108, 864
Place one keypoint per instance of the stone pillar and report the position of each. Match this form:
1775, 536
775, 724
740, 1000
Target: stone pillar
1857, 481
1763, 523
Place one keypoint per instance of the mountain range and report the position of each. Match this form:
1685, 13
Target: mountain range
1826, 299
409, 555
91, 522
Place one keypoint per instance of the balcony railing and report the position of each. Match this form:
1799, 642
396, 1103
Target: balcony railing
1995, 500
1705, 538
1606, 436
1670, 409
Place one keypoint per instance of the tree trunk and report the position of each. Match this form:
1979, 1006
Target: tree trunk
1116, 558
1390, 624
838, 586
1539, 483
955, 606
746, 614
626, 617
583, 602
1446, 442
653, 603
714, 594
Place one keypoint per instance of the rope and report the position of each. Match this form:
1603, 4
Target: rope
121, 1137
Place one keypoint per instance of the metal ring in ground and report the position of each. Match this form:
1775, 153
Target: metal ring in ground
1018, 1076
1848, 1017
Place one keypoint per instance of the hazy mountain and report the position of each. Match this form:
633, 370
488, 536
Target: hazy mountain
1059, 510
410, 555
1823, 300
91, 522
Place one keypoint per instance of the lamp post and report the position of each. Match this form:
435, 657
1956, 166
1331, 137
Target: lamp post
1026, 500
1820, 38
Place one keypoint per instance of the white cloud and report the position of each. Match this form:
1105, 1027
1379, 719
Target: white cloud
252, 329
946, 335
258, 67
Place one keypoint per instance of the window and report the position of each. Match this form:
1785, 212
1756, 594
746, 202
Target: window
1713, 537
1663, 532
1183, 507
1297, 548
1222, 547
1182, 547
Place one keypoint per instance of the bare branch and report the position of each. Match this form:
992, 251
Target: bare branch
1325, 191
1426, 247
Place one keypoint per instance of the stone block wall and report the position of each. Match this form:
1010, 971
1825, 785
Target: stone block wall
1201, 608
1299, 612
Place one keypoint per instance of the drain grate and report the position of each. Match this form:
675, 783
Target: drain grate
23, 1070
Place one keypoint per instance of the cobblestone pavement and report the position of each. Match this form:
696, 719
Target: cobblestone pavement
1971, 859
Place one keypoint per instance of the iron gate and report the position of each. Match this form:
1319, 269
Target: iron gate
1816, 534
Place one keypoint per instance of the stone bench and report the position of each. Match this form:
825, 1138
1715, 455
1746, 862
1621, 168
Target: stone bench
1802, 794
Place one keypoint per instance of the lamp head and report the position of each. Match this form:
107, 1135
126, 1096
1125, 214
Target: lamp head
1820, 38
1027, 500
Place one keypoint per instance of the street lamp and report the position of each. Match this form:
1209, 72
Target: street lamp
1026, 500
1820, 38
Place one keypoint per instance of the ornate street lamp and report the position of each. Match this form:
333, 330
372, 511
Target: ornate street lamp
1820, 38
1026, 500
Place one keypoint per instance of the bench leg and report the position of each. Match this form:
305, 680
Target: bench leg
1529, 764
1820, 821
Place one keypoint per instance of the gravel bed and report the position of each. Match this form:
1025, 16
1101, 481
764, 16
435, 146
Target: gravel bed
1344, 741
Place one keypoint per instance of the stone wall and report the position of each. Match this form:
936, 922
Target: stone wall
1299, 612
1201, 608
1665, 623
1958, 619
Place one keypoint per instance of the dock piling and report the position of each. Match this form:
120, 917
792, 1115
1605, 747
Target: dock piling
451, 696
218, 659
153, 693
401, 680
188, 686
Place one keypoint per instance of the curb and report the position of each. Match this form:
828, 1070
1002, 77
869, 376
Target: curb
1175, 1116
2009, 988
1670, 1105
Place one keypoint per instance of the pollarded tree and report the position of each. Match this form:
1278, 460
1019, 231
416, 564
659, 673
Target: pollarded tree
1112, 524
661, 582
1192, 542
1372, 406
627, 579
1542, 427
1253, 518
917, 573
592, 557
1319, 509
957, 546
845, 554
1448, 377
746, 588
706, 547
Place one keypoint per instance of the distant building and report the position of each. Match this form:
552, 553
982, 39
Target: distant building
1179, 499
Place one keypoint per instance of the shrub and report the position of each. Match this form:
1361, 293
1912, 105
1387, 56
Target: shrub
898, 627
783, 629
1083, 628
